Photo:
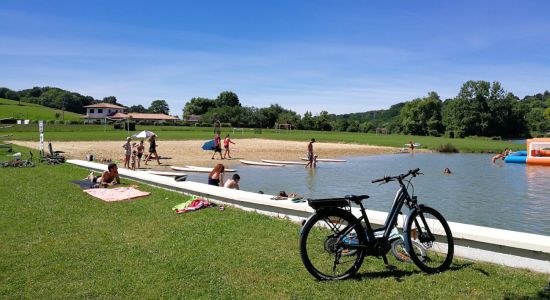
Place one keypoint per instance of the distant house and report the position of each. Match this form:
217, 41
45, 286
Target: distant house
193, 118
107, 111
100, 111
156, 118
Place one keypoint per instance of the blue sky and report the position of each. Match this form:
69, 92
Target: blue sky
339, 56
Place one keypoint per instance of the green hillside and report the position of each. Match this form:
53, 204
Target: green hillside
30, 111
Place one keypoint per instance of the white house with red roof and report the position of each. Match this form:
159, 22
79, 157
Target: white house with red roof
106, 111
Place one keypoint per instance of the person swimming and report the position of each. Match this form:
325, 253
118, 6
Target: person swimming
447, 171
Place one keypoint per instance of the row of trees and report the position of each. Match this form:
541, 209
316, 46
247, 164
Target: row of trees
481, 108
61, 99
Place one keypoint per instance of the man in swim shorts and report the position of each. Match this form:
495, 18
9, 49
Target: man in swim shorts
310, 157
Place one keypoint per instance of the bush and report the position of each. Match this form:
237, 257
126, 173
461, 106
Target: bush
447, 148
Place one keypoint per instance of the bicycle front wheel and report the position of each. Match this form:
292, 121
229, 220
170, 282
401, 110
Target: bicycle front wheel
428, 228
329, 245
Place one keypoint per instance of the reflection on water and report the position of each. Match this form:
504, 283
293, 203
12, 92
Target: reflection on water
508, 196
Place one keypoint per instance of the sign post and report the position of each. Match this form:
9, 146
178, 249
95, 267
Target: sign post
41, 130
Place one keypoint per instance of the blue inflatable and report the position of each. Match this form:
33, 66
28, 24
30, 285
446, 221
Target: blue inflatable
518, 157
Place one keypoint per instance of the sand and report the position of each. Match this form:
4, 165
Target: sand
181, 153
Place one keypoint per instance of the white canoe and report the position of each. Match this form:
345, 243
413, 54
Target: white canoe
414, 144
326, 159
284, 162
259, 163
209, 169
162, 173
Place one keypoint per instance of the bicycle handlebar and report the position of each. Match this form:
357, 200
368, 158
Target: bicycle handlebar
387, 179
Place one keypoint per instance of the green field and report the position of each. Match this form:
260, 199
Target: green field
30, 111
58, 242
100, 133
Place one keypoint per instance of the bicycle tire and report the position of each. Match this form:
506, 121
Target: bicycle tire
400, 253
325, 251
435, 236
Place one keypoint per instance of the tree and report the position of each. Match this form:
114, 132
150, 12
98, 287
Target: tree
198, 106
227, 98
110, 99
322, 121
137, 109
423, 116
307, 121
159, 107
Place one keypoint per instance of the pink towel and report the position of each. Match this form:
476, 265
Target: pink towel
116, 194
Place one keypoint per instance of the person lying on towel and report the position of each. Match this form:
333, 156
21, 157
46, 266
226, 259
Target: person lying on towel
108, 178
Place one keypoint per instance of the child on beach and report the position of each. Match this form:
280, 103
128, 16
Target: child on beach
226, 142
134, 160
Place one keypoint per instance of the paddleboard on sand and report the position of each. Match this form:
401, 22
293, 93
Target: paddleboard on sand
326, 159
162, 173
184, 169
209, 169
259, 163
284, 162
414, 144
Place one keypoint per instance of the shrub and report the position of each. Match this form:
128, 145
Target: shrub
447, 148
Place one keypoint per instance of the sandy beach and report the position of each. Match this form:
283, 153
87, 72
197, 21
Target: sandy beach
181, 153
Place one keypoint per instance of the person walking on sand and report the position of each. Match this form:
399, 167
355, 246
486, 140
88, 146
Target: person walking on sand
140, 149
152, 149
310, 157
127, 152
215, 177
217, 145
226, 142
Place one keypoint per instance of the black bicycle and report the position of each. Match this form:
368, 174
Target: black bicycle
334, 243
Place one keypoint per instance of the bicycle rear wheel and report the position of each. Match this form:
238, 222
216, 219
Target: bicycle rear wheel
328, 245
427, 227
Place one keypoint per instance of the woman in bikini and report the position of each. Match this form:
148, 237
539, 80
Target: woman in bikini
216, 175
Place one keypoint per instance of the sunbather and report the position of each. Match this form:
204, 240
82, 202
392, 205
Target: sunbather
108, 178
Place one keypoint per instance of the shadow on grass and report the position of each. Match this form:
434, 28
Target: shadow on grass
391, 271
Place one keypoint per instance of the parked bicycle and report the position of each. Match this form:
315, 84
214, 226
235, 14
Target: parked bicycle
334, 243
19, 162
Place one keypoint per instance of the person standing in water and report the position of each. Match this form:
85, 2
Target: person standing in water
216, 175
310, 156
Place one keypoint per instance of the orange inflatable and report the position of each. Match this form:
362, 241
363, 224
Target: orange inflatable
538, 151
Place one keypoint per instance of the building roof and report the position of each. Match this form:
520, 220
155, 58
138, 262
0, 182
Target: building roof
141, 116
104, 105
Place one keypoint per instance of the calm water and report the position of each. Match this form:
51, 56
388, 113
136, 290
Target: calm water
507, 196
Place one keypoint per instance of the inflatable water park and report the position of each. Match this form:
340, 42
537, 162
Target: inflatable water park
537, 153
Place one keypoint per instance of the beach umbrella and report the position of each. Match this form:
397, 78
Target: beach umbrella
144, 134
208, 145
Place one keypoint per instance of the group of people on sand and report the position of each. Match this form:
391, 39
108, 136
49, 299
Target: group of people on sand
218, 148
133, 152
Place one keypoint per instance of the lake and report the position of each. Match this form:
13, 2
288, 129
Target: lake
507, 196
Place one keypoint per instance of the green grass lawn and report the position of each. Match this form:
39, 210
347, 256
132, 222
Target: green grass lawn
30, 111
99, 133
58, 242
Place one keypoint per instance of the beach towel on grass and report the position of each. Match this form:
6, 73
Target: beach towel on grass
116, 194
191, 205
